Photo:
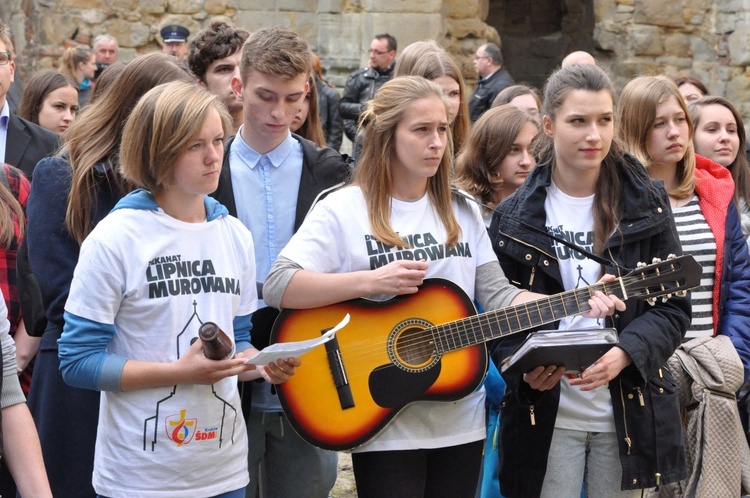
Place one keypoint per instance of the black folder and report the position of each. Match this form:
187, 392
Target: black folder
575, 349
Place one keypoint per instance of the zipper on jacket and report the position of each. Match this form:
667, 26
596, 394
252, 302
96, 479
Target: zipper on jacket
628, 441
531, 415
531, 279
640, 397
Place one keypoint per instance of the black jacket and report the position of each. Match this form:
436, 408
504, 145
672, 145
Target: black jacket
360, 88
328, 112
27, 144
487, 90
649, 432
322, 168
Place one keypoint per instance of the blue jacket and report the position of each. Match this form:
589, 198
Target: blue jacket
715, 189
645, 403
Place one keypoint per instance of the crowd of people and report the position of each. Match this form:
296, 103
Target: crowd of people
204, 183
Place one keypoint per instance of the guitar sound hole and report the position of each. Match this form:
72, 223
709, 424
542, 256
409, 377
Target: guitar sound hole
414, 347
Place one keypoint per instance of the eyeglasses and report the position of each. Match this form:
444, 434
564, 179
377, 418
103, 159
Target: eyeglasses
4, 58
477, 57
376, 52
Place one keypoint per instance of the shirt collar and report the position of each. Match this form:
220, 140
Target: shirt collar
5, 113
250, 156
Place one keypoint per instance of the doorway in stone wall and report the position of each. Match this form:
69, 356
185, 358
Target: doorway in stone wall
537, 34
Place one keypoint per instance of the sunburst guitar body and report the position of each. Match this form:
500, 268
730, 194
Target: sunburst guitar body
424, 346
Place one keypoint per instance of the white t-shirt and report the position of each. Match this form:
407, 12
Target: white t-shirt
336, 238
157, 279
571, 218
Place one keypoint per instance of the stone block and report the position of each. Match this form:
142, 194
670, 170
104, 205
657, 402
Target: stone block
625, 9
183, 6
679, 63
215, 7
462, 9
93, 16
466, 28
606, 38
124, 6
703, 50
339, 38
82, 4
739, 47
297, 5
56, 28
256, 5
677, 45
626, 2
330, 6
152, 6
129, 34
405, 6
646, 40
407, 28
604, 10
667, 13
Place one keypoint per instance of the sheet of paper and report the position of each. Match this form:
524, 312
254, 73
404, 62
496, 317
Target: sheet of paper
283, 350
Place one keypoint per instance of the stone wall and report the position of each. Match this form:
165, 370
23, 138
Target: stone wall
705, 38
339, 31
708, 39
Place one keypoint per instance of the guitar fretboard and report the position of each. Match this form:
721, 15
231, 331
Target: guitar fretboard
485, 327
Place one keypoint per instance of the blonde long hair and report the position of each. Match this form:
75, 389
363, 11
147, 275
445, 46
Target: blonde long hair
373, 173
95, 136
637, 114
429, 60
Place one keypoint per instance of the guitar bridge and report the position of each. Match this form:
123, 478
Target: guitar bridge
340, 379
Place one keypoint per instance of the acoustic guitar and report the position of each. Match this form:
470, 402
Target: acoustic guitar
424, 346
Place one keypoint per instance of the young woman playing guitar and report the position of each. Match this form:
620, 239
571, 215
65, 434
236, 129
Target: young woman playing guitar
374, 239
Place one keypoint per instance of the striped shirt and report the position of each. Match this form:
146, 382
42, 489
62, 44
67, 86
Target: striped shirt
698, 240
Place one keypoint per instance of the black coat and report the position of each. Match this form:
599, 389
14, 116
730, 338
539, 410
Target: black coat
27, 144
487, 90
360, 88
648, 334
328, 112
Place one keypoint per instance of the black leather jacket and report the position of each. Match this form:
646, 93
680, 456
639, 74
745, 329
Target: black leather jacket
487, 90
360, 88
644, 396
328, 112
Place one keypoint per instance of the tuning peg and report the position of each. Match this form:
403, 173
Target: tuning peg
682, 293
651, 301
656, 260
641, 265
672, 256
665, 297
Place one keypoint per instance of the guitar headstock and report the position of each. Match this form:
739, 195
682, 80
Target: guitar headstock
675, 275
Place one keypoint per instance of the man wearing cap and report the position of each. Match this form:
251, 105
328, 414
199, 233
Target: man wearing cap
175, 41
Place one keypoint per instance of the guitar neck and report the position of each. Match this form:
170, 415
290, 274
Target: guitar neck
485, 327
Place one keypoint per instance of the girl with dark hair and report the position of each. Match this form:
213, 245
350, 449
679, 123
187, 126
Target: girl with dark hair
307, 122
50, 99
720, 136
615, 429
497, 157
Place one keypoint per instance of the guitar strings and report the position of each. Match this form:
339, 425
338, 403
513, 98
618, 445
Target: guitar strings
454, 332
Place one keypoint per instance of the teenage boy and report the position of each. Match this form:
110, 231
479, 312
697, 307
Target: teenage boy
214, 58
269, 180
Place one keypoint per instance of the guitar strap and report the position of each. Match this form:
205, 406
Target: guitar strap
570, 245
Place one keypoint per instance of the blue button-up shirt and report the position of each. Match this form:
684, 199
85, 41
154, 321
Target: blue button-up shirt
4, 117
265, 189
